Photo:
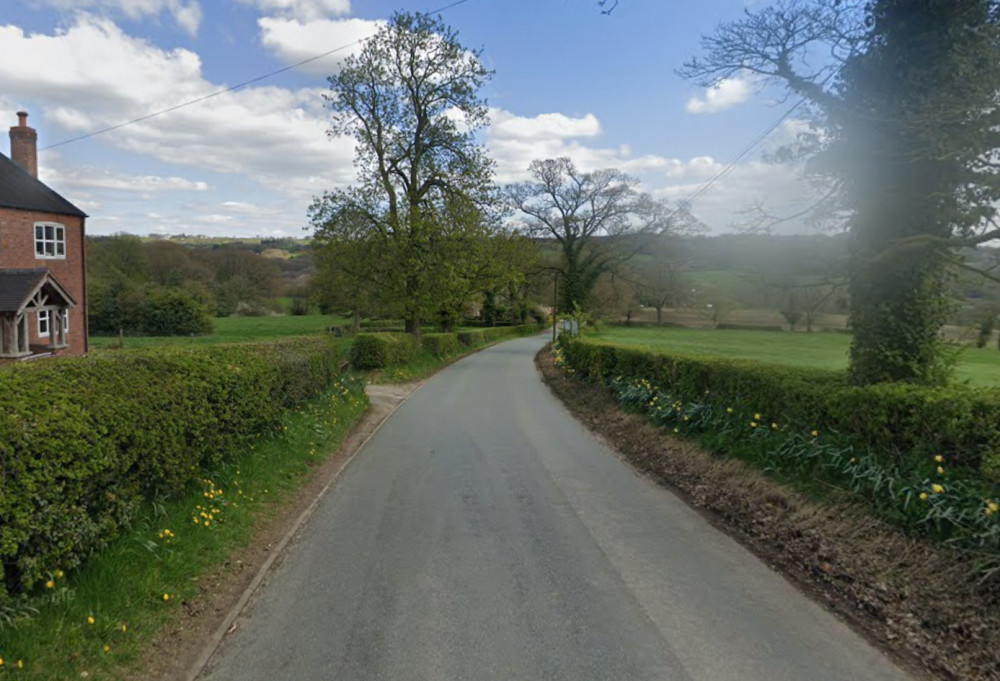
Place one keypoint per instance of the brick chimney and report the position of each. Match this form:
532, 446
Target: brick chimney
24, 145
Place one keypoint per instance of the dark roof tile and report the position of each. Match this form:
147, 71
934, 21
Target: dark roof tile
19, 189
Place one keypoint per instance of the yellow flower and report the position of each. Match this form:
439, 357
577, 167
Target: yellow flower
774, 426
59, 574
49, 584
757, 416
936, 488
923, 496
940, 470
992, 505
939, 458
677, 430
124, 627
90, 619
166, 597
20, 664
729, 410
815, 433
107, 648
753, 424
1, 661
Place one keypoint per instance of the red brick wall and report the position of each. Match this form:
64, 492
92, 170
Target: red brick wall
17, 250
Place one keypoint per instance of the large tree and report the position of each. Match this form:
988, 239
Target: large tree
411, 100
905, 96
598, 219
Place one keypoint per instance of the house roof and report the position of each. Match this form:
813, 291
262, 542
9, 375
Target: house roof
18, 286
20, 189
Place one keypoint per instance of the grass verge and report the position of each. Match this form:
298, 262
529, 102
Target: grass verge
100, 619
231, 330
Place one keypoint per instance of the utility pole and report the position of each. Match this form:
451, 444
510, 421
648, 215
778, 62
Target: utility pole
555, 305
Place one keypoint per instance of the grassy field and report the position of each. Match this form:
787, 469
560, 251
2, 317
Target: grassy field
980, 367
232, 330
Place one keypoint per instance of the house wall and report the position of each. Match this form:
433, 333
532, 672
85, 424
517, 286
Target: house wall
17, 250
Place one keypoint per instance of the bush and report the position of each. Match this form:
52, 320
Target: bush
173, 312
84, 441
441, 344
897, 422
471, 339
379, 350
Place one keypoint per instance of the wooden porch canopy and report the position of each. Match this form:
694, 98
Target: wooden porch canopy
24, 291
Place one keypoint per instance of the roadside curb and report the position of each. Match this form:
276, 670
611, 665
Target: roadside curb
208, 652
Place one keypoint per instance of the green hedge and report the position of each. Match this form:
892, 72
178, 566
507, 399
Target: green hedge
472, 338
896, 422
379, 350
83, 441
441, 344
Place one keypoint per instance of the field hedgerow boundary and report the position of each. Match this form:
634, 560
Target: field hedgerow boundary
84, 442
923, 458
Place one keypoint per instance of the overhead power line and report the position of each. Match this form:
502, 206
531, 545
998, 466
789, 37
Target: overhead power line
712, 181
231, 88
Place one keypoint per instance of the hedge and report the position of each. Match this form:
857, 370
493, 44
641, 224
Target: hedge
379, 350
441, 344
896, 422
84, 441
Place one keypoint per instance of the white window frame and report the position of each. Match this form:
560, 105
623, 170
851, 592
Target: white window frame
44, 319
66, 322
53, 247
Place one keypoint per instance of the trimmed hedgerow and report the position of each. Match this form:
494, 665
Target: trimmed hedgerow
441, 344
897, 421
379, 350
810, 427
84, 441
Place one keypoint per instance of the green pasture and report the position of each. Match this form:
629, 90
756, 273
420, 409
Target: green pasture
980, 367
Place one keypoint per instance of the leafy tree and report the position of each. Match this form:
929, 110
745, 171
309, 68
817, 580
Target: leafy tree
598, 219
660, 277
906, 110
411, 100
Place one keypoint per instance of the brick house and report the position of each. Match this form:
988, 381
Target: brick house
43, 278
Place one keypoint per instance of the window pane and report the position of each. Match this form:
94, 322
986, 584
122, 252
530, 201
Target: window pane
39, 248
50, 248
49, 232
60, 248
61, 233
39, 232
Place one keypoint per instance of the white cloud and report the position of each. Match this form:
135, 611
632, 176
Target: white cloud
306, 10
549, 125
93, 75
87, 177
292, 40
725, 94
187, 14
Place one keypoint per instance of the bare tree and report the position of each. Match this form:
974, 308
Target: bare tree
599, 220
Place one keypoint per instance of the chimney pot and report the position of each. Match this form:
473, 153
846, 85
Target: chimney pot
24, 145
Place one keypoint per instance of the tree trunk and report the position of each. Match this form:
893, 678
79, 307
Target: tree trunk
659, 315
356, 325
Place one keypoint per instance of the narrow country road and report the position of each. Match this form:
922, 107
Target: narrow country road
484, 534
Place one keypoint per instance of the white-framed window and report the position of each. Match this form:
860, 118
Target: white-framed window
50, 240
43, 323
66, 321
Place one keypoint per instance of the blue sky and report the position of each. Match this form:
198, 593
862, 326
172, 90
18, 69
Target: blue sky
569, 81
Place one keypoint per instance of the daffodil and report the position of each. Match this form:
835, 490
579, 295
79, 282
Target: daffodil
815, 433
923, 496
940, 470
90, 619
753, 424
50, 584
937, 489
939, 458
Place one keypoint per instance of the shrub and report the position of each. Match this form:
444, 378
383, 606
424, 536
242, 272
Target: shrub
174, 312
441, 344
379, 350
471, 339
83, 441
897, 422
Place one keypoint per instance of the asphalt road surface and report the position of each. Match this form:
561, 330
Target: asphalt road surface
484, 534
